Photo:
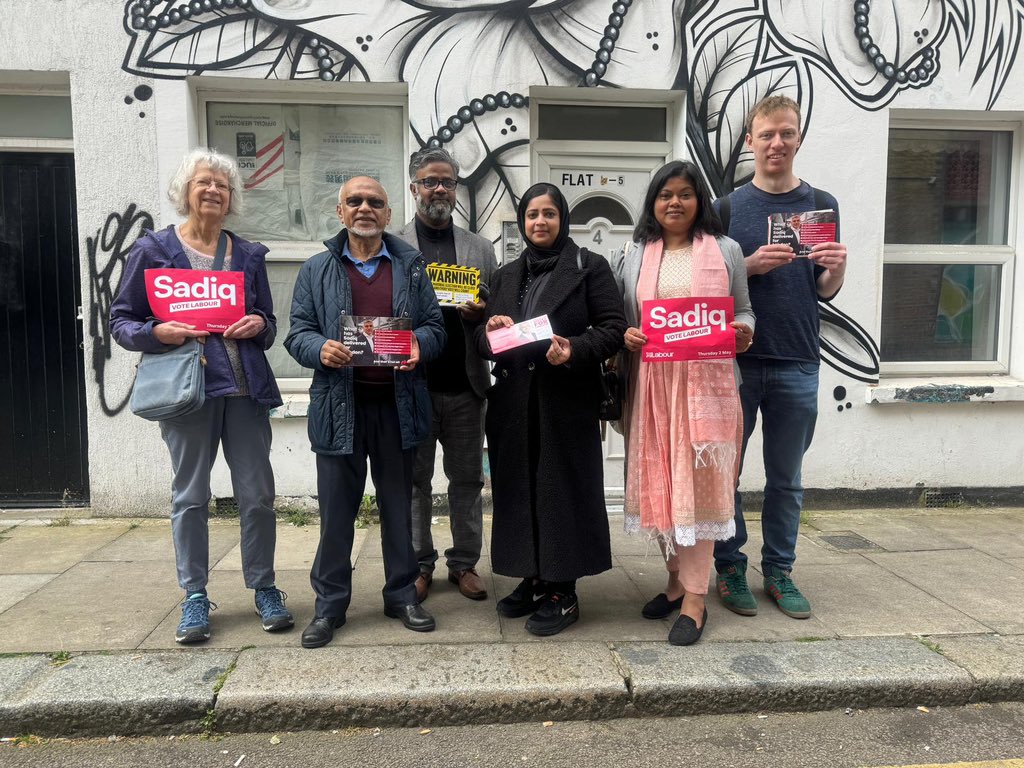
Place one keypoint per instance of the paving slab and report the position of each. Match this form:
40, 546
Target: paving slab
425, 685
151, 540
717, 678
906, 534
53, 549
976, 584
999, 535
863, 599
1016, 562
120, 694
295, 550
93, 606
996, 663
16, 587
458, 619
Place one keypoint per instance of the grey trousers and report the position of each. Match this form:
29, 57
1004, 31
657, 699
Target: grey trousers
458, 423
243, 426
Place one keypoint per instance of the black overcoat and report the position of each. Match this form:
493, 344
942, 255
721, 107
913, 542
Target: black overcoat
550, 519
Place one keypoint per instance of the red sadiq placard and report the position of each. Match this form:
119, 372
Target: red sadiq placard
688, 329
211, 301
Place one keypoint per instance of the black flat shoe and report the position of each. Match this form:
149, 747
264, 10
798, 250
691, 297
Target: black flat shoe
414, 617
321, 631
659, 606
685, 630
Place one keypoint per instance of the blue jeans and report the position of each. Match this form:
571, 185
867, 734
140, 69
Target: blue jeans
786, 393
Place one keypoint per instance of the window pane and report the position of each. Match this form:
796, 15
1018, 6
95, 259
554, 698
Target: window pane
601, 123
282, 279
294, 158
600, 207
37, 117
939, 312
947, 187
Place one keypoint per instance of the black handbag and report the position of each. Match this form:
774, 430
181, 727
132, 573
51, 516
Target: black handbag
173, 383
610, 408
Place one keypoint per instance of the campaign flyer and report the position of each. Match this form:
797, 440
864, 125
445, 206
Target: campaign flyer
454, 284
694, 328
801, 231
211, 301
377, 340
526, 332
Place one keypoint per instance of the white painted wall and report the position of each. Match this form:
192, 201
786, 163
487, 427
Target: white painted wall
122, 158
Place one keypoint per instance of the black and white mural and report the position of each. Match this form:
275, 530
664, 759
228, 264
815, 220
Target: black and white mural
469, 66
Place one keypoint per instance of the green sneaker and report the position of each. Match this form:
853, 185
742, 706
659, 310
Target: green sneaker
733, 589
785, 594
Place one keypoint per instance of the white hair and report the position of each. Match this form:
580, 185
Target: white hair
203, 157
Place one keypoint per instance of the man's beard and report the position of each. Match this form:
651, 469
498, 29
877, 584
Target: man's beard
437, 211
365, 231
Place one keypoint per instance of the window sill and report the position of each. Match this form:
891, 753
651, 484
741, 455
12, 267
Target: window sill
295, 406
946, 389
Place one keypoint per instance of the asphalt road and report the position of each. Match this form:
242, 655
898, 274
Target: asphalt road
893, 737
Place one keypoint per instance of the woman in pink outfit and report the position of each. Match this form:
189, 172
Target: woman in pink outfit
682, 420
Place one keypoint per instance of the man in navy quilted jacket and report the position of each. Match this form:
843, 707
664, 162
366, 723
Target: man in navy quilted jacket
357, 414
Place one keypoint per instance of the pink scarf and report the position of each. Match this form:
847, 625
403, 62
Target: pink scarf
712, 411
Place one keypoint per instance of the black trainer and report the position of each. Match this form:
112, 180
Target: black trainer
524, 600
555, 614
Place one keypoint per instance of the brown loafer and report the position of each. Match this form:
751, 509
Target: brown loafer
423, 585
469, 582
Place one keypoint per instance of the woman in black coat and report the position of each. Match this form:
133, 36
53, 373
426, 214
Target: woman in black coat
543, 430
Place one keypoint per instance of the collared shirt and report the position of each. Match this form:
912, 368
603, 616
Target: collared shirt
368, 267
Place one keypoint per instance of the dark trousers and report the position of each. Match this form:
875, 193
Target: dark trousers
341, 481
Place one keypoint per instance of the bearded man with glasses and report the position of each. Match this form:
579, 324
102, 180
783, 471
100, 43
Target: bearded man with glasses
364, 413
457, 381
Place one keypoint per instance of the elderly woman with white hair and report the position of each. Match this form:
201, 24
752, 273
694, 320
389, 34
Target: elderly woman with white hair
240, 388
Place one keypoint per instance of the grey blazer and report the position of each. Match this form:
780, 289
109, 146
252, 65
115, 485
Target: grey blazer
471, 250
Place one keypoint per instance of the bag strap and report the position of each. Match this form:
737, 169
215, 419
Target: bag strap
724, 210
222, 249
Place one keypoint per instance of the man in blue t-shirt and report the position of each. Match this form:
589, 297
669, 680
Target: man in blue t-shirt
780, 368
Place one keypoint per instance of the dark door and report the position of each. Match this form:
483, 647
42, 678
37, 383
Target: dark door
43, 441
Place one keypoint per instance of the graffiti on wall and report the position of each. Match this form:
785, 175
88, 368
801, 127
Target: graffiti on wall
469, 66
107, 252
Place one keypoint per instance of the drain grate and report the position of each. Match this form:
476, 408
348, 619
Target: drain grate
939, 499
848, 541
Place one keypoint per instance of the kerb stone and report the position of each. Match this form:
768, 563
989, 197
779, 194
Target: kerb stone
421, 685
995, 662
716, 678
124, 693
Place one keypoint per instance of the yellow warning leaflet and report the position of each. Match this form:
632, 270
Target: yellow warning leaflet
454, 284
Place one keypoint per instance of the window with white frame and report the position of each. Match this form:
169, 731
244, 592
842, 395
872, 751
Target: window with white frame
293, 157
948, 266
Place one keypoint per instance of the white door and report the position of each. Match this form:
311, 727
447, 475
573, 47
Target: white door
605, 196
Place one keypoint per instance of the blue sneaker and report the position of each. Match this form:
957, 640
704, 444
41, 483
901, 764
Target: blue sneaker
270, 607
195, 619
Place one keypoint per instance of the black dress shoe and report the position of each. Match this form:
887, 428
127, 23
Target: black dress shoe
414, 617
685, 630
320, 631
659, 606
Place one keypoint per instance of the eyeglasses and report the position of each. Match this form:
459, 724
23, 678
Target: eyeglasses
374, 202
432, 183
220, 186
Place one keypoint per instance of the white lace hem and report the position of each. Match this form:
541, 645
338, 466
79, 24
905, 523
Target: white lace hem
683, 535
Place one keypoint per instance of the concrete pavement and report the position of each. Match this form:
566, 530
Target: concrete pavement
911, 607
